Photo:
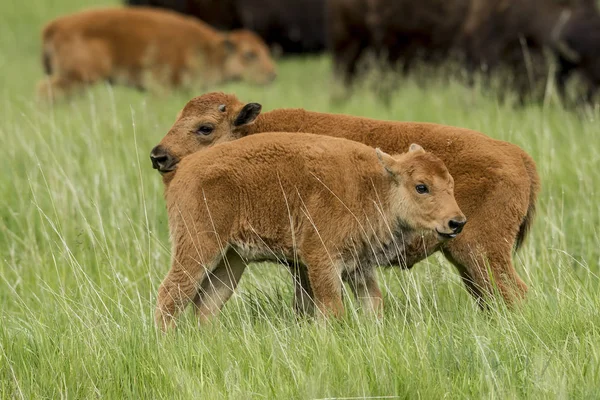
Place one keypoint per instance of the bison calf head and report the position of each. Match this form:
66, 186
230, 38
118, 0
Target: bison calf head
247, 58
204, 121
423, 192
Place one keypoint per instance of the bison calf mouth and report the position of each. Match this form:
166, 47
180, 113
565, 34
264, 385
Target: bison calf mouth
456, 227
446, 235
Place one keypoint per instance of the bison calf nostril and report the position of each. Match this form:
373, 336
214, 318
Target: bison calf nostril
160, 159
456, 226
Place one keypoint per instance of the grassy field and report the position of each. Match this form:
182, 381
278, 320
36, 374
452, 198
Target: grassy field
84, 245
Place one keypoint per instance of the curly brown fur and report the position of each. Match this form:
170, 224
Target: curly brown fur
496, 182
338, 207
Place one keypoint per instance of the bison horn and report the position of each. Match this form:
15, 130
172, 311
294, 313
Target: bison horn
222, 107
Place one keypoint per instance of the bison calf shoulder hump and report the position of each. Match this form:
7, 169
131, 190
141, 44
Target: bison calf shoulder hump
335, 206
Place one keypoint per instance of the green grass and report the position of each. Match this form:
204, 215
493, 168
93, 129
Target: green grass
84, 245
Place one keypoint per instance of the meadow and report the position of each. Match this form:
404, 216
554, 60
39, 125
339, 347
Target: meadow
84, 245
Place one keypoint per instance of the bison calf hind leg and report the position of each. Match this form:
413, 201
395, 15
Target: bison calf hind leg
191, 262
218, 286
485, 271
74, 64
57, 88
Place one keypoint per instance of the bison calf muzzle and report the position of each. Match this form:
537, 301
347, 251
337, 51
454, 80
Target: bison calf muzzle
162, 160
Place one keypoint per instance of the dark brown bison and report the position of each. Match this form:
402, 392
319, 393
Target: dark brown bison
397, 30
220, 14
514, 33
486, 34
578, 47
293, 26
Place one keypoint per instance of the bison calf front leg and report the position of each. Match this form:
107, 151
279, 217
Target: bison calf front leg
326, 284
366, 290
304, 303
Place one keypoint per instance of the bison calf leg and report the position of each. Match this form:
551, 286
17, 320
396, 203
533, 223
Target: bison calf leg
483, 251
218, 286
57, 87
326, 284
304, 304
177, 289
485, 271
366, 290
74, 63
191, 262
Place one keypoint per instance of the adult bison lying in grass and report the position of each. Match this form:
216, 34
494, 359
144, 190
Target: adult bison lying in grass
336, 206
143, 47
496, 182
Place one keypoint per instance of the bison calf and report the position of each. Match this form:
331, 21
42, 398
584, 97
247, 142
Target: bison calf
335, 206
497, 183
146, 48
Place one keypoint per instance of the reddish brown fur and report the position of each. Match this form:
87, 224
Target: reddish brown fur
146, 48
330, 204
496, 182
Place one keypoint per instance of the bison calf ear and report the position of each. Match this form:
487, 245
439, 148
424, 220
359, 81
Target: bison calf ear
247, 114
415, 147
386, 161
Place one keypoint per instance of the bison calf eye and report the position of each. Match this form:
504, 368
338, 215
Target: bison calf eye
250, 55
205, 129
422, 189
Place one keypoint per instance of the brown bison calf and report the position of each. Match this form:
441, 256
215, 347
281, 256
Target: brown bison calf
335, 206
146, 48
496, 182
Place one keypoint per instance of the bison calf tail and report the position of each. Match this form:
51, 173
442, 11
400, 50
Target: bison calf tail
47, 38
47, 62
534, 190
